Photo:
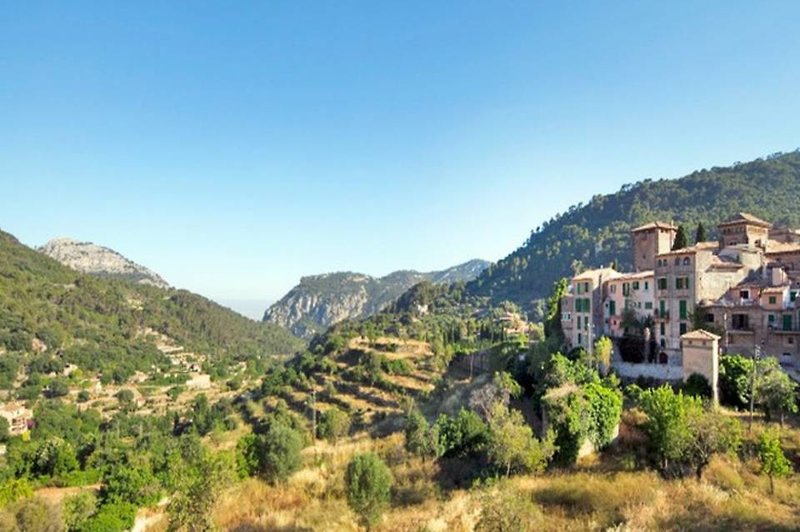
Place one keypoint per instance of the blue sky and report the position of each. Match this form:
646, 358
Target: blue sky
235, 146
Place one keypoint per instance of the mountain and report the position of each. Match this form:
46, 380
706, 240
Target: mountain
98, 260
598, 232
109, 324
322, 300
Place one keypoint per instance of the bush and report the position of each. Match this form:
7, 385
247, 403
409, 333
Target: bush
697, 386
130, 485
368, 482
333, 424
463, 435
279, 454
508, 509
77, 509
115, 516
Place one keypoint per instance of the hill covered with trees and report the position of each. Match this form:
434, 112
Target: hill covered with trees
105, 324
598, 232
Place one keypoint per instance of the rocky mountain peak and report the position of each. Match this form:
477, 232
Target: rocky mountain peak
93, 259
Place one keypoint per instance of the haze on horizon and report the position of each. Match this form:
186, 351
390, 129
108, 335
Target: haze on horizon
233, 150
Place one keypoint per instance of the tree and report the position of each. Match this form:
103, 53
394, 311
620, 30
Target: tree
773, 462
333, 424
59, 387
191, 506
605, 411
603, 349
700, 235
552, 324
666, 426
279, 454
421, 438
776, 393
77, 509
125, 398
712, 433
127, 484
463, 435
512, 444
368, 482
5, 429
680, 239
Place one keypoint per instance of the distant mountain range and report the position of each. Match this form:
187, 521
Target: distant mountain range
319, 301
598, 232
86, 257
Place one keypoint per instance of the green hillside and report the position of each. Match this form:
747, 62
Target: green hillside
599, 231
98, 323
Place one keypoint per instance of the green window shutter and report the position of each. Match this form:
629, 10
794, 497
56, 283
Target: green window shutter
682, 309
612, 308
787, 322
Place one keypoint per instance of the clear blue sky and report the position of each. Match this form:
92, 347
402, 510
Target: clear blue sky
235, 146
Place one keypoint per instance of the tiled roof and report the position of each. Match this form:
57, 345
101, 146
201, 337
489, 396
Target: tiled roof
655, 225
700, 334
701, 246
636, 275
745, 217
591, 274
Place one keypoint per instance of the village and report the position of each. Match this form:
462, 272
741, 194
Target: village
684, 305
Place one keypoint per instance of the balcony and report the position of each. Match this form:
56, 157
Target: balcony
657, 314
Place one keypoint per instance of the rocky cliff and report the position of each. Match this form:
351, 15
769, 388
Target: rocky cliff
319, 301
86, 257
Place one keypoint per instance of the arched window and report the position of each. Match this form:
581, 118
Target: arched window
686, 261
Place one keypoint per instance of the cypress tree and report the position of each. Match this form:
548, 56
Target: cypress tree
680, 239
700, 236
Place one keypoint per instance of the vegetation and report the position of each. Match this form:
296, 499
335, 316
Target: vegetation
369, 484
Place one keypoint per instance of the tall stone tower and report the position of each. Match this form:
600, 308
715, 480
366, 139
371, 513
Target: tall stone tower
650, 240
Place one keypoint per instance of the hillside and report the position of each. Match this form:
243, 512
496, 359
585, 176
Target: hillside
86, 257
599, 232
113, 325
320, 301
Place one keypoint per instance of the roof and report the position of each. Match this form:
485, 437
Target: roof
744, 217
636, 275
773, 246
700, 246
654, 225
592, 274
700, 334
776, 289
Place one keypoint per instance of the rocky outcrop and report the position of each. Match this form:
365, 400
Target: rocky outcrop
319, 301
86, 257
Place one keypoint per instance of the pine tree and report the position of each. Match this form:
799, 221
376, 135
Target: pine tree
680, 239
700, 236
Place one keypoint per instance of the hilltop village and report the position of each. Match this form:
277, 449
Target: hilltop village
733, 295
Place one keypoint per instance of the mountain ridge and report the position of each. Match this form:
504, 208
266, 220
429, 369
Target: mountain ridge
322, 300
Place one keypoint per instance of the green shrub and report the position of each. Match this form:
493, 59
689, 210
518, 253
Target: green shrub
368, 482
333, 424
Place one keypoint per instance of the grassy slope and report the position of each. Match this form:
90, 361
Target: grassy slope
599, 232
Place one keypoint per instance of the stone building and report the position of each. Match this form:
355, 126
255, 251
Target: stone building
650, 240
18, 416
700, 352
586, 297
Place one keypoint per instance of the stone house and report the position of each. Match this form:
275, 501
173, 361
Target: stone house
20, 418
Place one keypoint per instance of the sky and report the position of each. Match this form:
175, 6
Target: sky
235, 146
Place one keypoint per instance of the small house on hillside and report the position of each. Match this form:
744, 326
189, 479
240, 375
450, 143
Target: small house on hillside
20, 418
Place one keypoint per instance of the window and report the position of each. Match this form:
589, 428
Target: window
612, 308
614, 288
792, 296
771, 318
677, 261
579, 289
580, 339
662, 308
626, 289
682, 312
686, 261
683, 329
772, 300
681, 283
791, 340
662, 328
648, 305
787, 322
636, 285
744, 294
740, 321
585, 287
662, 283
647, 285
663, 343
